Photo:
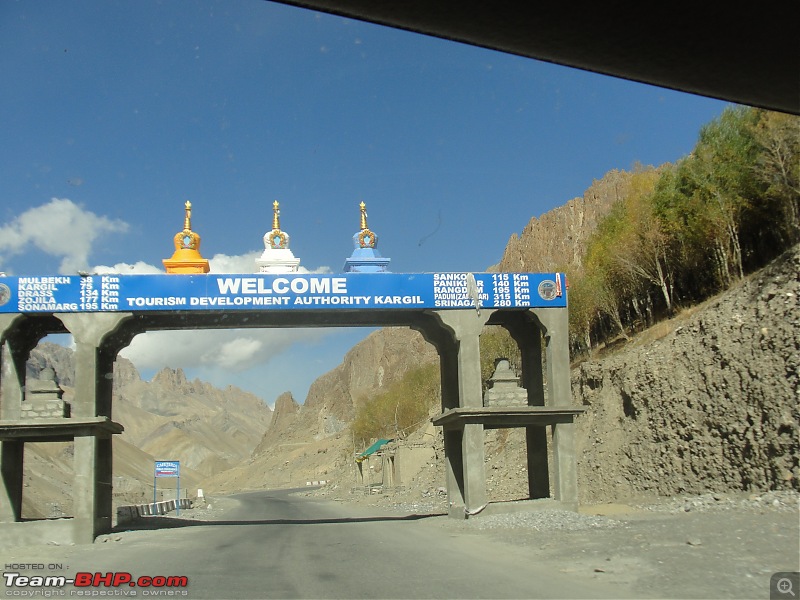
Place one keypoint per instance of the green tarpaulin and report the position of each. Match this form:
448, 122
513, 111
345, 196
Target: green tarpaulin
372, 449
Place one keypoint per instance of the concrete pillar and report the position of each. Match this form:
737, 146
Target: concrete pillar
17, 342
94, 381
94, 360
11, 462
474, 457
559, 393
442, 339
454, 472
556, 334
12, 383
453, 452
465, 327
528, 335
92, 488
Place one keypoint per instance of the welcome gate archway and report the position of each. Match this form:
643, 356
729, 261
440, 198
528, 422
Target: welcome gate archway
104, 312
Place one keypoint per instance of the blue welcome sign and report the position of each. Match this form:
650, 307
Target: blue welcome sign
210, 292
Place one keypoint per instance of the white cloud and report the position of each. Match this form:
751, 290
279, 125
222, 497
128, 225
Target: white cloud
234, 350
218, 264
231, 355
60, 228
317, 271
246, 263
138, 267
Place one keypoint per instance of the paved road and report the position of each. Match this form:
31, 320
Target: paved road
282, 545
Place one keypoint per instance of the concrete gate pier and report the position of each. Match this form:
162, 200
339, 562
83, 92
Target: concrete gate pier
89, 425
464, 422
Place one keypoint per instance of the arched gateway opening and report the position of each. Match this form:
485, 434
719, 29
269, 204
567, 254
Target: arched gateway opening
104, 312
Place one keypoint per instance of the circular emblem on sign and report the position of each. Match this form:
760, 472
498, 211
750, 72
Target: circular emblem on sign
5, 293
547, 289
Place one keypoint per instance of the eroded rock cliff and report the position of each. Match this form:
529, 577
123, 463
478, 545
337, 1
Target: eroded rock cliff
558, 238
375, 363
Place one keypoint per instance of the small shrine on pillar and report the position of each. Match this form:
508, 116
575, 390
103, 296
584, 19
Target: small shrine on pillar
44, 398
187, 258
504, 388
277, 258
365, 257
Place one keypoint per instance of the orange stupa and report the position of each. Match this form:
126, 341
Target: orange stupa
187, 258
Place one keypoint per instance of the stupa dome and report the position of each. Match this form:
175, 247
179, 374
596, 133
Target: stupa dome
187, 257
277, 257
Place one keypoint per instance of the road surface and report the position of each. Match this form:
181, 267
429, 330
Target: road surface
284, 545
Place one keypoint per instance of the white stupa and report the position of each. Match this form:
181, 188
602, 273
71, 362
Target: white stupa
277, 258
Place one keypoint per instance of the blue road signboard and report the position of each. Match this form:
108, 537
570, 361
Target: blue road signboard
347, 291
168, 468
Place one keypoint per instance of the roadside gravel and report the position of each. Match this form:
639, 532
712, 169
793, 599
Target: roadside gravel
716, 545
709, 546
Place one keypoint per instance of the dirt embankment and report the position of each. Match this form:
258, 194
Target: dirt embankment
714, 405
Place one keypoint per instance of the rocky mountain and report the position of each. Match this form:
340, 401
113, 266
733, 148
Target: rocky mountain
310, 442
169, 418
368, 368
558, 238
58, 358
210, 429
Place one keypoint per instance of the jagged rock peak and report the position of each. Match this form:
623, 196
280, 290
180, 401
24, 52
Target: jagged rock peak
125, 372
285, 404
171, 377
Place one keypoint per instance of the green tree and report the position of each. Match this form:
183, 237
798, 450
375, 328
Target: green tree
603, 278
721, 171
641, 243
682, 218
402, 408
778, 138
582, 311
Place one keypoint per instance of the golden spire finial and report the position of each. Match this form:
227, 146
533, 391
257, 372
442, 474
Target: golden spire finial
187, 221
363, 215
276, 213
187, 258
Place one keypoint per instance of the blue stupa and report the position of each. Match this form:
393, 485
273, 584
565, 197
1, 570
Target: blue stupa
365, 257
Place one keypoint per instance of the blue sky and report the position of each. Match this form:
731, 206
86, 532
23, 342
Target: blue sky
113, 114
